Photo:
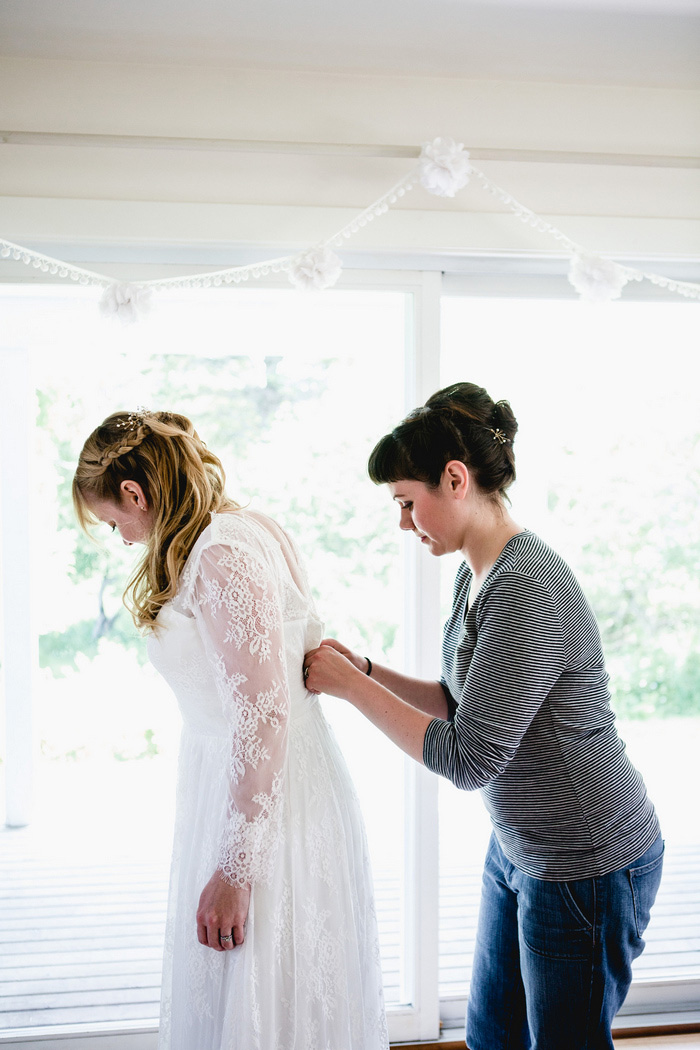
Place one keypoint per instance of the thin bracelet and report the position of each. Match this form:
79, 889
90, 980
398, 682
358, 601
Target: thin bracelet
369, 666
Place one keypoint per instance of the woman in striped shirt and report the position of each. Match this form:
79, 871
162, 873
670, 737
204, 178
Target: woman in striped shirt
522, 713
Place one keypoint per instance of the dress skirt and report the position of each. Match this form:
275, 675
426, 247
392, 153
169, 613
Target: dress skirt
308, 976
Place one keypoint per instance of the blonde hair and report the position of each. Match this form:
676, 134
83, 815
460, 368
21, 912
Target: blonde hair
182, 480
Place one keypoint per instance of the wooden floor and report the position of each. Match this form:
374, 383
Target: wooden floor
660, 1042
82, 943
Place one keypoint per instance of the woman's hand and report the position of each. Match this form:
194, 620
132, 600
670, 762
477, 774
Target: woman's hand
329, 670
360, 662
222, 914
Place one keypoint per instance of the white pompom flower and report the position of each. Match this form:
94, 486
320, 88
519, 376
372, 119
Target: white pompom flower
316, 269
444, 167
127, 302
597, 280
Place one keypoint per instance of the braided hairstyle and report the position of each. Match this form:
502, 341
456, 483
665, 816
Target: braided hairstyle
182, 480
460, 422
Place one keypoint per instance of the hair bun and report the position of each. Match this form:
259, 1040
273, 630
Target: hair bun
503, 419
459, 422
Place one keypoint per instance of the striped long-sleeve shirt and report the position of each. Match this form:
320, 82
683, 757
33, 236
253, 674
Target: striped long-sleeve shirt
530, 722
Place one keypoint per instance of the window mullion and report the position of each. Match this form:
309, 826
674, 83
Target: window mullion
422, 599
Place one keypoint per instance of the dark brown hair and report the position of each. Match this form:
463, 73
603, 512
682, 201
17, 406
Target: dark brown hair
460, 422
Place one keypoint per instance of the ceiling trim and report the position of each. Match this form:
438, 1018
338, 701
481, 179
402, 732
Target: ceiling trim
327, 149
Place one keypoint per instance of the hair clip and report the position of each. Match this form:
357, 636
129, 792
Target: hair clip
499, 435
134, 419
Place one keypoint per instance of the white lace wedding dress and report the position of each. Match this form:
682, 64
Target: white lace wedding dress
263, 794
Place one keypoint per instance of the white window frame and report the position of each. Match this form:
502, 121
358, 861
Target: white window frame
418, 1018
648, 1002
511, 276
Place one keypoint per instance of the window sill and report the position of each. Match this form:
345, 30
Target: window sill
145, 1037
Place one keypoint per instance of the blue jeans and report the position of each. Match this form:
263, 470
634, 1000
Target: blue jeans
553, 960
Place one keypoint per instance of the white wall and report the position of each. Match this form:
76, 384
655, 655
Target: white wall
56, 195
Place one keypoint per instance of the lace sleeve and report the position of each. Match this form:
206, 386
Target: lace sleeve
235, 600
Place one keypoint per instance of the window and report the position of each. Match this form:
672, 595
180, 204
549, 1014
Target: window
608, 454
293, 390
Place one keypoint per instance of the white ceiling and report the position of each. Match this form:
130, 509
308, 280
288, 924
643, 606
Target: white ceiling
635, 42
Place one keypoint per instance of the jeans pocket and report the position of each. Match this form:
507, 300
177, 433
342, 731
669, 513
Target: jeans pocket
556, 918
644, 883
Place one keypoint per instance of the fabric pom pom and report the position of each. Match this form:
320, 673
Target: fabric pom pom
128, 302
444, 167
316, 269
597, 280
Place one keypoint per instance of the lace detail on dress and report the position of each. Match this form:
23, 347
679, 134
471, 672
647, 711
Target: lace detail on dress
248, 847
263, 787
236, 603
322, 949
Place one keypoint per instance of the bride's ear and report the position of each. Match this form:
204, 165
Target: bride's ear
133, 494
456, 479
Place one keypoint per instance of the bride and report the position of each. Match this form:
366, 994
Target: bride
271, 939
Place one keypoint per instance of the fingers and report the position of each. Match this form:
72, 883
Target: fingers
221, 940
225, 940
360, 662
221, 936
316, 667
209, 929
213, 938
333, 643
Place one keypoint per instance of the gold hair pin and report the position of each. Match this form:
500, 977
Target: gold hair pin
499, 435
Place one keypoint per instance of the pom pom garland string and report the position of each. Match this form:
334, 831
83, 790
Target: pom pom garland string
377, 208
526, 214
55, 267
443, 169
232, 275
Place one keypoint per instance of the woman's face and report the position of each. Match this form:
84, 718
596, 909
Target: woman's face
132, 518
435, 515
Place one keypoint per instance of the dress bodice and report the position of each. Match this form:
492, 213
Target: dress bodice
178, 653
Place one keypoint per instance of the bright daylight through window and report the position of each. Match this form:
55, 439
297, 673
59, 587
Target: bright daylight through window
608, 453
292, 391
276, 384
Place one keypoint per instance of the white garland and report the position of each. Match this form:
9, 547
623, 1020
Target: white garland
318, 269
127, 302
47, 264
597, 280
443, 169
